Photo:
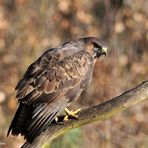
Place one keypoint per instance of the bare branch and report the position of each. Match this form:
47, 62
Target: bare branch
97, 113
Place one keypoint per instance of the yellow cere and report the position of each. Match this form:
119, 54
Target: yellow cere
105, 49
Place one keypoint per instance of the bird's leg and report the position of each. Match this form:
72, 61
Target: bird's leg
71, 113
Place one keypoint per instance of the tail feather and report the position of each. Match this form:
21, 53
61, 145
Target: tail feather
31, 120
40, 122
20, 119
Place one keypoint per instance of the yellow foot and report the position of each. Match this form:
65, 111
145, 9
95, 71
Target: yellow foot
71, 114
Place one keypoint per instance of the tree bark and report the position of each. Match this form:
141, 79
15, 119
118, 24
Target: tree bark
97, 113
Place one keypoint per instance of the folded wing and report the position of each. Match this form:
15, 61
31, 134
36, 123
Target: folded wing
48, 86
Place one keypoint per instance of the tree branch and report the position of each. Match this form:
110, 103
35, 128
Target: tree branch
97, 113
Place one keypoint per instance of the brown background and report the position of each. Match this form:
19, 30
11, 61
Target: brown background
29, 27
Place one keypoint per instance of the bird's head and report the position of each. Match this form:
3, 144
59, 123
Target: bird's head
95, 47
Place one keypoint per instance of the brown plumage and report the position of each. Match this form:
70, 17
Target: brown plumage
52, 82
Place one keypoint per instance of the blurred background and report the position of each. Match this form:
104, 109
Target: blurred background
30, 27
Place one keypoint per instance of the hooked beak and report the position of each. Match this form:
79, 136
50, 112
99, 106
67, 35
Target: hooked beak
104, 50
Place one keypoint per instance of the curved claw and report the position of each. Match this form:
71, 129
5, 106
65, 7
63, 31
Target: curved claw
71, 114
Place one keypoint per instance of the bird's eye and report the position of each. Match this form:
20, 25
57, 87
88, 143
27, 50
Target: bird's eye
96, 46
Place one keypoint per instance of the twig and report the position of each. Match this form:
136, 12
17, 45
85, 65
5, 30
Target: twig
97, 113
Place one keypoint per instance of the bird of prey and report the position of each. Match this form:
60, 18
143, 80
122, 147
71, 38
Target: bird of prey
52, 82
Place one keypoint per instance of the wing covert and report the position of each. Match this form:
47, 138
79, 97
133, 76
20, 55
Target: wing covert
43, 83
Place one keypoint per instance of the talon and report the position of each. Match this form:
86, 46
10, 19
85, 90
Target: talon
56, 119
66, 118
71, 113
76, 111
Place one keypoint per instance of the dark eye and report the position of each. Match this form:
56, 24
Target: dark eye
97, 46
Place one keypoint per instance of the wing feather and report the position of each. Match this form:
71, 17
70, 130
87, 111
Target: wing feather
62, 76
49, 87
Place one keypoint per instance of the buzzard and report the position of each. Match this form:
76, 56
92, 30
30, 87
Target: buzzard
52, 82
